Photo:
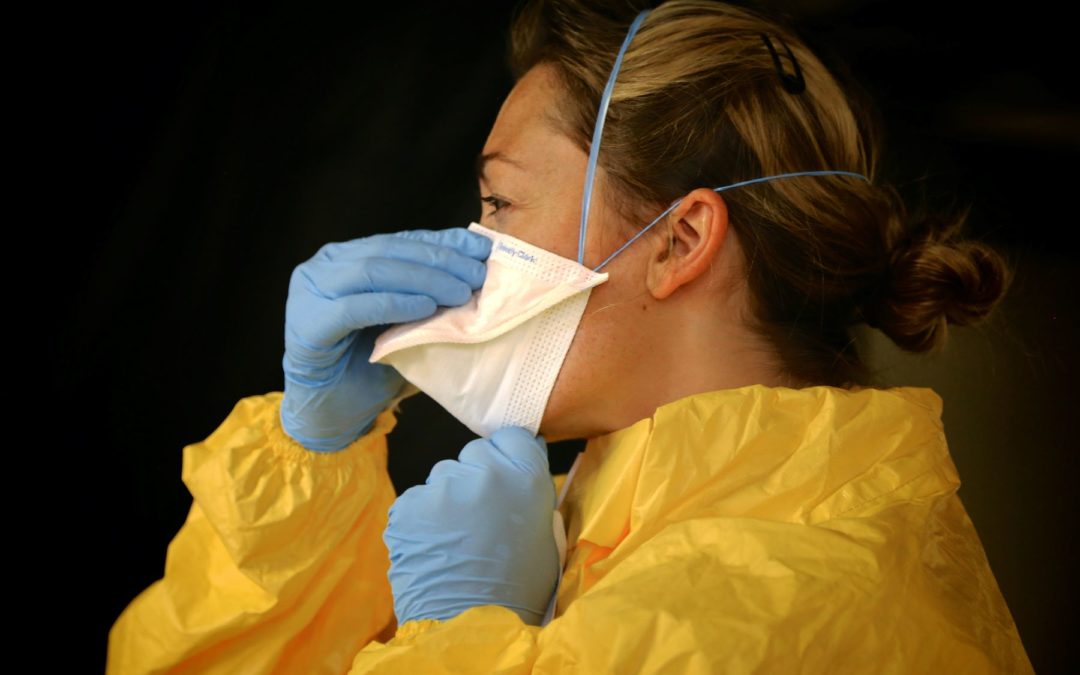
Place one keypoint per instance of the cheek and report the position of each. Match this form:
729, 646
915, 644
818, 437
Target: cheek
602, 322
599, 350
552, 230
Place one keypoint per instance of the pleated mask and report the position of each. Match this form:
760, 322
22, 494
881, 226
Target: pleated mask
493, 361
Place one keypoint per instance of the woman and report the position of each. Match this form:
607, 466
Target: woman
745, 502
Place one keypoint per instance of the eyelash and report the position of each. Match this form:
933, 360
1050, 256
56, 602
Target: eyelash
496, 202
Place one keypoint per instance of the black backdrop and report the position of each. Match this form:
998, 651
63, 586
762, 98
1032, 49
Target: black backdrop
225, 142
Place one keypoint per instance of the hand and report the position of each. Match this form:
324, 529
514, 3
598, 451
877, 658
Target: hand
341, 300
478, 532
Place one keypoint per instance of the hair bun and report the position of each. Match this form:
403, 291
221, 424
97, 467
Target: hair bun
937, 278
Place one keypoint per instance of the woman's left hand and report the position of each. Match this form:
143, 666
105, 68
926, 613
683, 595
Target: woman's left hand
478, 532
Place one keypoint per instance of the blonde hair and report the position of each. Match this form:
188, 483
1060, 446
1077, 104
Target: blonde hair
699, 103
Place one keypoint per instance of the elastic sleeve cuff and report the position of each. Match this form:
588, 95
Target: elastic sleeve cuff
413, 628
278, 508
288, 448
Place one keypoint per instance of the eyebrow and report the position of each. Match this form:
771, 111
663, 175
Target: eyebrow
482, 161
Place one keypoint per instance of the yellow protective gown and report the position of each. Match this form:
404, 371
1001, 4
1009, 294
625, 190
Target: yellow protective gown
754, 530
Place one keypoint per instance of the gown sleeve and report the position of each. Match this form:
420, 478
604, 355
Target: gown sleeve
280, 565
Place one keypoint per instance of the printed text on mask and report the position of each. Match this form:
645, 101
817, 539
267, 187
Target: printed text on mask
513, 252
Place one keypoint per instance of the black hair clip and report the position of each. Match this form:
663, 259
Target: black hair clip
792, 83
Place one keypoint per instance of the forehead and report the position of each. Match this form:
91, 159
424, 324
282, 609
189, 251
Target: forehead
524, 127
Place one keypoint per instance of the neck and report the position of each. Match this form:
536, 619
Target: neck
692, 349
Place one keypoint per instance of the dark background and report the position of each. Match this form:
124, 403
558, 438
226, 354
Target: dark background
218, 145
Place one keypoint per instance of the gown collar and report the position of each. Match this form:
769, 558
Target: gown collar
797, 455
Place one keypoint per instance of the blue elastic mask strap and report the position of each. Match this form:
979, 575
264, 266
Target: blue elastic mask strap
598, 130
721, 189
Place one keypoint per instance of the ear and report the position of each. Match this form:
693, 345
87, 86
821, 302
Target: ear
699, 226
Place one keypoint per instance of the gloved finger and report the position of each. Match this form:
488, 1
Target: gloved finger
525, 451
448, 469
465, 268
405, 502
334, 279
480, 453
461, 239
458, 251
356, 312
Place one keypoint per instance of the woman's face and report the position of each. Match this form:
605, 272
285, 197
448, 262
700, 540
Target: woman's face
532, 183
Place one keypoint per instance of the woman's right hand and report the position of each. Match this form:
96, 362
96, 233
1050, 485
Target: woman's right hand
341, 300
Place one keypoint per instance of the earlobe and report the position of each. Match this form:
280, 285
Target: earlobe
695, 236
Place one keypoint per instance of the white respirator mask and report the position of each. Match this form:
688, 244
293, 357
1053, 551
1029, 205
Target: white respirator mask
493, 361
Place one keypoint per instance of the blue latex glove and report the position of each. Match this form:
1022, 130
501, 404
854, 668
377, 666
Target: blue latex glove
478, 532
341, 300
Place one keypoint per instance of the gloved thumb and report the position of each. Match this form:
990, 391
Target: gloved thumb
520, 446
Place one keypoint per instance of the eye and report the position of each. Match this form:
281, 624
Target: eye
496, 202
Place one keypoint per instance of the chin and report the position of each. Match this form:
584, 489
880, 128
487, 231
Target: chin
559, 424
567, 414
553, 425
552, 432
